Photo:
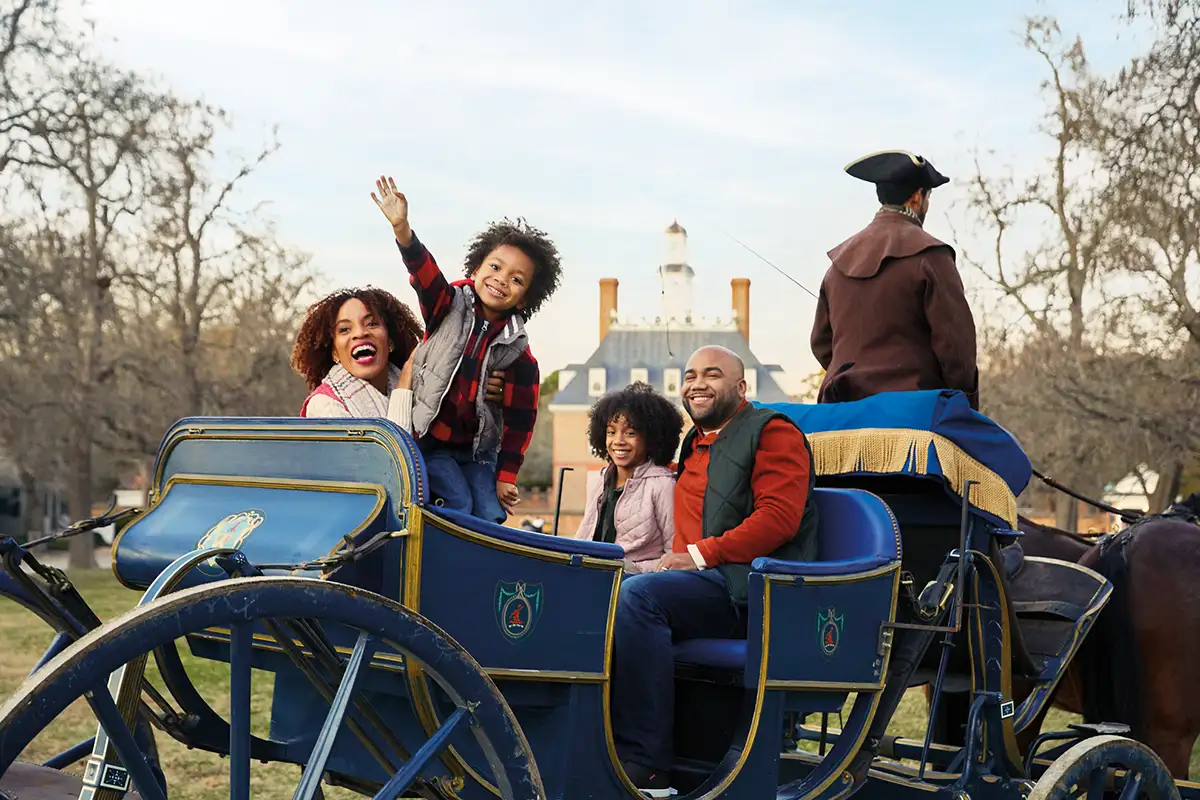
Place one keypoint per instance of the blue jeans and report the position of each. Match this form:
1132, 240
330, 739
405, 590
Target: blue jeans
462, 482
654, 610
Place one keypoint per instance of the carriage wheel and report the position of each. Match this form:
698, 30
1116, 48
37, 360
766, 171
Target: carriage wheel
82, 670
1090, 769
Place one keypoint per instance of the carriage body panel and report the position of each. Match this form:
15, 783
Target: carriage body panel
521, 603
536, 612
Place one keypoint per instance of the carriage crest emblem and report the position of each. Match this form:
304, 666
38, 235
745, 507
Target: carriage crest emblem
829, 630
229, 532
518, 606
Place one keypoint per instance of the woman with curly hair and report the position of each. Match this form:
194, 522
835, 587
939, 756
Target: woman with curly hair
633, 504
352, 349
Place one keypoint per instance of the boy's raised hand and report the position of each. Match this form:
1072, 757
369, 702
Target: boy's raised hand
394, 206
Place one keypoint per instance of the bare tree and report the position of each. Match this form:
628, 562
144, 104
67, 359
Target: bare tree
1054, 283
1146, 136
32, 42
140, 283
203, 244
31, 418
1049, 283
88, 142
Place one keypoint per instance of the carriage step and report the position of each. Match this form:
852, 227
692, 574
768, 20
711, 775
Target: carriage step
1101, 728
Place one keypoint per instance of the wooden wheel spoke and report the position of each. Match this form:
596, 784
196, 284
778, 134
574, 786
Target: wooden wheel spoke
323, 687
310, 781
241, 645
326, 656
1133, 786
432, 748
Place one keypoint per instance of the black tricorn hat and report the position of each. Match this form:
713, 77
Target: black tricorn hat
898, 167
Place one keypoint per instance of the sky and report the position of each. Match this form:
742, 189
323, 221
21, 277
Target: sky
602, 122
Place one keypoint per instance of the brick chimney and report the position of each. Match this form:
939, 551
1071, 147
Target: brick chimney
608, 304
741, 305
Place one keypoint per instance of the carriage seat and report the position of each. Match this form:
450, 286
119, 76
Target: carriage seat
541, 541
856, 532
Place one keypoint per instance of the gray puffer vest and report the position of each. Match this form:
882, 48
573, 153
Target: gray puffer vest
437, 359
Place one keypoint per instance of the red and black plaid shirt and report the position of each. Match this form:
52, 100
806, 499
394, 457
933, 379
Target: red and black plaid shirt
456, 423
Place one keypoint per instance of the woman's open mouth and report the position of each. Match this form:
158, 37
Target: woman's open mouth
363, 354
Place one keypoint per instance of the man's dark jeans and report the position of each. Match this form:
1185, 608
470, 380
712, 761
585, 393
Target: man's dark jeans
654, 610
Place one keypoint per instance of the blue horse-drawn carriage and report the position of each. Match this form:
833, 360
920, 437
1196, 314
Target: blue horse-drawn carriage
417, 652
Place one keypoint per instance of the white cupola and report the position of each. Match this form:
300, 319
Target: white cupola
676, 276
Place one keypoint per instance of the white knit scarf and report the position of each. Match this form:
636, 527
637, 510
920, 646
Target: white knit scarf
360, 398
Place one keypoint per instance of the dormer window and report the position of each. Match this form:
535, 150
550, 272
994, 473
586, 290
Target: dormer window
597, 381
671, 379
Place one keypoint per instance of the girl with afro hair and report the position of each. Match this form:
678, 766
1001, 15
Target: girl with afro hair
637, 431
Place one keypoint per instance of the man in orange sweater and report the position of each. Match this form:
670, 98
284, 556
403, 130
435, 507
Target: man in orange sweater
744, 478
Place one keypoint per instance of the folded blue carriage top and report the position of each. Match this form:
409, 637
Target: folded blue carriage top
933, 433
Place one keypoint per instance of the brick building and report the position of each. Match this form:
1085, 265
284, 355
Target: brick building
653, 350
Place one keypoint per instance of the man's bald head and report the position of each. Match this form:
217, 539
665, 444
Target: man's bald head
729, 362
714, 385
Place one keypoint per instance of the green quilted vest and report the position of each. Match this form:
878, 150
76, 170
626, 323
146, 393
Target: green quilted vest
729, 499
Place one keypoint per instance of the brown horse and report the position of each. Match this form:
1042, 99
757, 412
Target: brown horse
1137, 663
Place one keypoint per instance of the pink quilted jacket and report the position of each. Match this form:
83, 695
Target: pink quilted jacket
644, 516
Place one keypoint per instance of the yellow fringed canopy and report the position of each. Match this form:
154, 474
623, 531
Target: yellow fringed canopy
899, 450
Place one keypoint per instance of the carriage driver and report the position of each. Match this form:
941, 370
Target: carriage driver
892, 315
744, 478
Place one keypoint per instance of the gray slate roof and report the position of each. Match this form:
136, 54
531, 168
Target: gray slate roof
623, 350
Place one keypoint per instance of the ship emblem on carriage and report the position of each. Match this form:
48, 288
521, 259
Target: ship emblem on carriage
829, 630
518, 606
229, 532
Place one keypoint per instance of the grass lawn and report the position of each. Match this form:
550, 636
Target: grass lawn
195, 774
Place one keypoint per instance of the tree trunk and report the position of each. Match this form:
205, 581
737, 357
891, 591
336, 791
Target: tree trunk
193, 389
82, 547
91, 344
30, 507
1170, 478
1066, 513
